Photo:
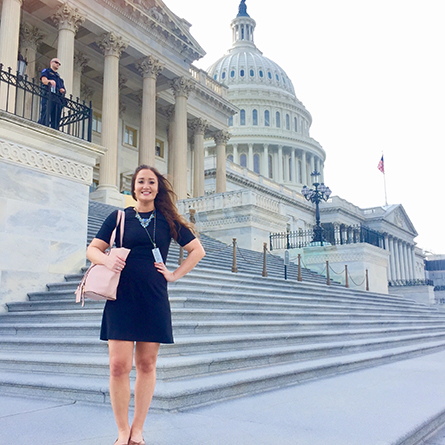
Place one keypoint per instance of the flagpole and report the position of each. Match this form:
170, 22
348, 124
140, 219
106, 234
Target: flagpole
381, 167
384, 182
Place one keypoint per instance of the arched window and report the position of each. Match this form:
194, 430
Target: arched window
255, 117
287, 122
230, 121
242, 117
277, 119
241, 73
224, 75
270, 166
232, 73
256, 163
269, 75
230, 158
242, 32
215, 77
276, 76
243, 160
266, 118
252, 73
261, 73
295, 124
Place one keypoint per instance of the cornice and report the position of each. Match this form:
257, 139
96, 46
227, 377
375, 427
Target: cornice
248, 183
170, 36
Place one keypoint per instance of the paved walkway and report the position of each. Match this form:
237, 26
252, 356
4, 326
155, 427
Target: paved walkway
377, 406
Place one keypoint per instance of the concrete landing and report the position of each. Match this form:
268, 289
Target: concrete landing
377, 406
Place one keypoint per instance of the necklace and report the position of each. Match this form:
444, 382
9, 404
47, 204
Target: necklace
144, 221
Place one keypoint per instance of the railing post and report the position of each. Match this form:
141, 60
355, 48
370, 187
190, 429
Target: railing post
328, 280
299, 278
234, 267
264, 260
367, 281
346, 276
192, 213
181, 255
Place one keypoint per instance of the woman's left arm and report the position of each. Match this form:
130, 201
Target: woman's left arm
195, 252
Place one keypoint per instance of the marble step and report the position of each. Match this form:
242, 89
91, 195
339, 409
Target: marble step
192, 392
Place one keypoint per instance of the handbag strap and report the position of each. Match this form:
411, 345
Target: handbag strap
120, 220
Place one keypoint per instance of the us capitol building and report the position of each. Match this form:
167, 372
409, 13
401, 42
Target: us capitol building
234, 140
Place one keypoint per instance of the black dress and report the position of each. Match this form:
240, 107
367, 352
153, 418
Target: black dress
141, 311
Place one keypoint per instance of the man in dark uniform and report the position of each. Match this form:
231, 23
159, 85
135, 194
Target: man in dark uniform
54, 92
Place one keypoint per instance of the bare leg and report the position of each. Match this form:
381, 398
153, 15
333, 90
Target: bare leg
121, 362
145, 360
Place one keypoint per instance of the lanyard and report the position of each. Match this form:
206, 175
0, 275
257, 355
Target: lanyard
145, 222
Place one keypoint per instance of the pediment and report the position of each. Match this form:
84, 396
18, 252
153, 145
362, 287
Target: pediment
397, 216
158, 17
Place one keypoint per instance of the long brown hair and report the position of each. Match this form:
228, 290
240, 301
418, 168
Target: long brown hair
165, 201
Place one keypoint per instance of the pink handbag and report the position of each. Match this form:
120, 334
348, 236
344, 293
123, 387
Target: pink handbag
99, 282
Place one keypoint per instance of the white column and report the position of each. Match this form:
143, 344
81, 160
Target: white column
170, 114
304, 180
112, 46
80, 62
181, 89
235, 153
293, 171
321, 170
389, 259
405, 262
68, 20
9, 47
400, 258
280, 178
199, 127
30, 39
312, 164
250, 157
150, 68
221, 138
265, 172
392, 268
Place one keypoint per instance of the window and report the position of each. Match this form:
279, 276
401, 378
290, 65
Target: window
269, 75
266, 118
278, 119
261, 73
215, 76
256, 163
224, 75
97, 122
230, 158
232, 73
241, 73
276, 76
252, 73
230, 121
159, 151
255, 117
242, 117
295, 124
243, 160
287, 122
130, 136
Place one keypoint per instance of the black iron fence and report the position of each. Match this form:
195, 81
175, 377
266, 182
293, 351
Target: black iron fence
26, 98
332, 235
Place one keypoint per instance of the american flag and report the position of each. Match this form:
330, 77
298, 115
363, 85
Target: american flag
381, 165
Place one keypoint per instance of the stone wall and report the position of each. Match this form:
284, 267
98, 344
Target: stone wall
44, 186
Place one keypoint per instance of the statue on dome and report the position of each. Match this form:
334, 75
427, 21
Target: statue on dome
242, 9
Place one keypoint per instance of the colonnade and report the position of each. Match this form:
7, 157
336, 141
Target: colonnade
402, 260
282, 163
68, 20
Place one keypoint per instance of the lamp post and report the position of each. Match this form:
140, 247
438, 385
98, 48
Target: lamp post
315, 195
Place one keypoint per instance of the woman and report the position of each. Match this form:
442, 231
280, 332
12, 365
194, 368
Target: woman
141, 313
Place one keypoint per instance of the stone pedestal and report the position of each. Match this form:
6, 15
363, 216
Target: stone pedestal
358, 257
45, 177
422, 294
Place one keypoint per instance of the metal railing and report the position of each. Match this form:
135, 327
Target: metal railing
333, 235
24, 98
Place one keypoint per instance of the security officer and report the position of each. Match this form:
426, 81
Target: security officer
54, 86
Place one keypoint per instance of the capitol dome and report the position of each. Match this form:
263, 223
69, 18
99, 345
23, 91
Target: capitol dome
270, 134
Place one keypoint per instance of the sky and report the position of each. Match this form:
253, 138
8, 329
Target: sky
372, 75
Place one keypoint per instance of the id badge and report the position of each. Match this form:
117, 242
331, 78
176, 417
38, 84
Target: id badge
157, 255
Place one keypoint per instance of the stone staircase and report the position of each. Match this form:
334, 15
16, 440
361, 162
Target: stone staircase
236, 334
